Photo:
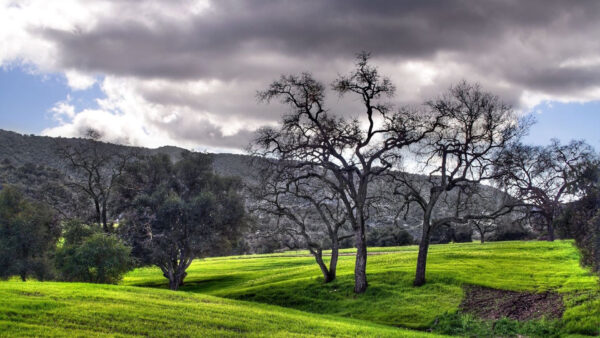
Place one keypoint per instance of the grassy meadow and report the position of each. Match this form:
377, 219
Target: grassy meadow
283, 295
84, 310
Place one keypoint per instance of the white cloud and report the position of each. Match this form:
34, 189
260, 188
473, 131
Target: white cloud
79, 81
185, 72
63, 110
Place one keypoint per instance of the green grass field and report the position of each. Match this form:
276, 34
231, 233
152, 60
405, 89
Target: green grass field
294, 281
84, 310
283, 294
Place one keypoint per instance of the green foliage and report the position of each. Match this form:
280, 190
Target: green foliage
75, 232
179, 211
89, 255
389, 236
84, 310
292, 280
581, 220
28, 235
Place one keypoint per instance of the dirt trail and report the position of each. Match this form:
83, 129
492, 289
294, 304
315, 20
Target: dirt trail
495, 304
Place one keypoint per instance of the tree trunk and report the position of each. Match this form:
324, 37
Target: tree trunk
334, 259
482, 236
422, 258
360, 267
176, 280
324, 270
550, 229
104, 218
173, 284
175, 274
98, 212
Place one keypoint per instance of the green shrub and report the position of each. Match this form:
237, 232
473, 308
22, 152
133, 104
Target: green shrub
92, 256
388, 236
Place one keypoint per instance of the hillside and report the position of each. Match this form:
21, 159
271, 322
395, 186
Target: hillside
539, 286
85, 310
30, 161
42, 150
292, 279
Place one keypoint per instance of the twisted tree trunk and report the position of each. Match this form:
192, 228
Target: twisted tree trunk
422, 258
360, 267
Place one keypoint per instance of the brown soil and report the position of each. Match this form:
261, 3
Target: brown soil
495, 304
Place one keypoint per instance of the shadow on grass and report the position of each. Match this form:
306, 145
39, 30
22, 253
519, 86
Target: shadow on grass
390, 299
197, 285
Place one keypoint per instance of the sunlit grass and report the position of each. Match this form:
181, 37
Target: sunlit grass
293, 280
282, 294
84, 310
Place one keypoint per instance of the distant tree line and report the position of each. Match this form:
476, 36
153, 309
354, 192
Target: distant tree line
113, 211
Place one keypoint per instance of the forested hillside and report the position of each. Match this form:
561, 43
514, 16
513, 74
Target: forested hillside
34, 164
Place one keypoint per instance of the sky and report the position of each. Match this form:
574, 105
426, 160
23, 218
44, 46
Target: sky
186, 73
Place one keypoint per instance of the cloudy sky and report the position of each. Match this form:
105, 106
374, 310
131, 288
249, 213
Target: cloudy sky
185, 73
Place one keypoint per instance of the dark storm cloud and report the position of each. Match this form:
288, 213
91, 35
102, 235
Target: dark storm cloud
511, 46
221, 42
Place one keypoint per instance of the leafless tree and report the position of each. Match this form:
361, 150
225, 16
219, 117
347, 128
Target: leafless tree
545, 178
344, 154
304, 212
472, 128
95, 170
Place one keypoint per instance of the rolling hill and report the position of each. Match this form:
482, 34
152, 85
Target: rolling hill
533, 289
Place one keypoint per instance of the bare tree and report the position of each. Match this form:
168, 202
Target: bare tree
483, 227
305, 213
350, 152
472, 128
96, 168
545, 178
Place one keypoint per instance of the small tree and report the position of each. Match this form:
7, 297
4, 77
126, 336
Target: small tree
28, 235
96, 168
301, 212
471, 128
545, 178
90, 255
178, 212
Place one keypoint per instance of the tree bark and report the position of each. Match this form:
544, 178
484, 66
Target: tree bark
360, 267
176, 280
422, 258
550, 221
98, 212
104, 218
334, 259
326, 273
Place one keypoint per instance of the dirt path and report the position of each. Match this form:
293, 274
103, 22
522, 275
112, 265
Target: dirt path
496, 304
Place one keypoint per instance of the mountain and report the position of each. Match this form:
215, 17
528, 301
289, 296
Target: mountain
31, 161
17, 150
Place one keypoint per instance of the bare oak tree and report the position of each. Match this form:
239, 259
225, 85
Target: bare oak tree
344, 154
545, 178
96, 168
304, 212
472, 128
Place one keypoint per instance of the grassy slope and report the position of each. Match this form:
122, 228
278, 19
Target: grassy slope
71, 309
292, 281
